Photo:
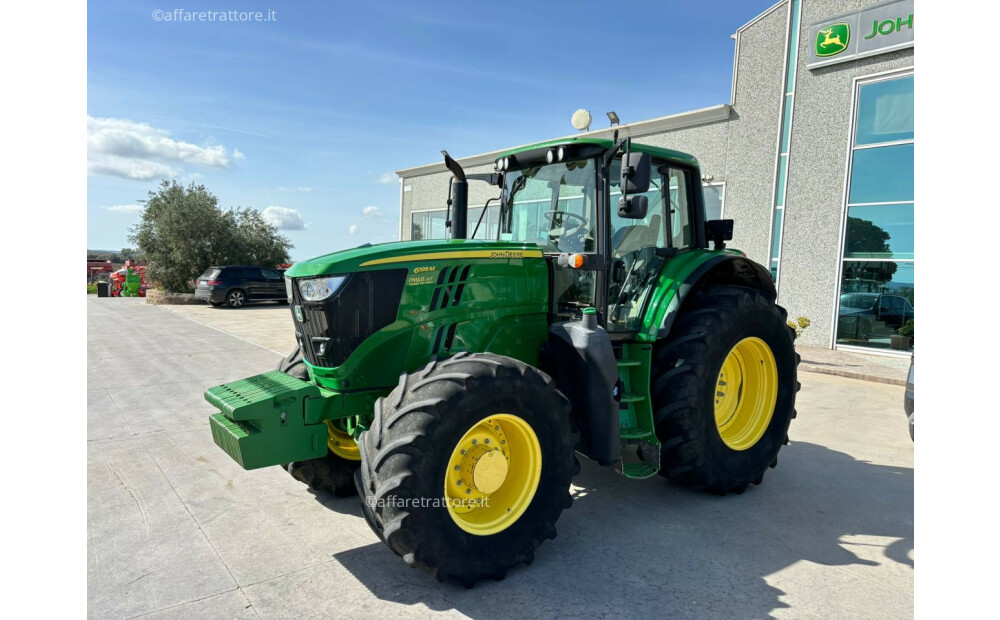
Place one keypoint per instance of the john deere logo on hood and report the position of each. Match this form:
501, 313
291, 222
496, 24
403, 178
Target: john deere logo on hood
833, 39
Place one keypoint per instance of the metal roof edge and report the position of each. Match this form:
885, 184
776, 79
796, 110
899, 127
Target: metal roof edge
764, 14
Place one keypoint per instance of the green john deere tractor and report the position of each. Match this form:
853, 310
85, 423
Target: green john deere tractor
452, 383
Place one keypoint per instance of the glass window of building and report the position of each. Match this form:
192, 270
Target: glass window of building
427, 225
715, 195
781, 175
431, 224
875, 309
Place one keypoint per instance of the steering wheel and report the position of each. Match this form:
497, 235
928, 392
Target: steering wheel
549, 215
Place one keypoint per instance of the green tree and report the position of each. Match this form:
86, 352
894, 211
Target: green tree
183, 231
865, 239
130, 254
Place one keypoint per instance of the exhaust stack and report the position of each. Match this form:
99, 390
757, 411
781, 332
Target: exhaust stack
458, 201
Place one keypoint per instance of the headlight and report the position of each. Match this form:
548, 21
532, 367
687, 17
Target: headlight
318, 289
288, 288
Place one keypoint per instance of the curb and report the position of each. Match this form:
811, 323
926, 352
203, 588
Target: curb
820, 370
162, 298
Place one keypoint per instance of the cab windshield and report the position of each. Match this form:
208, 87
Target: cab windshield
554, 206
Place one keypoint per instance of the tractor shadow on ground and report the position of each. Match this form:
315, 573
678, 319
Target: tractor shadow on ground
648, 547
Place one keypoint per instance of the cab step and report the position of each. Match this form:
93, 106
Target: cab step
635, 413
638, 471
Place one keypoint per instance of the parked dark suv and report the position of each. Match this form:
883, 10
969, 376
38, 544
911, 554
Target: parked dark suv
235, 285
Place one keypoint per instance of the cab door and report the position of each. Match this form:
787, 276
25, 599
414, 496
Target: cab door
641, 248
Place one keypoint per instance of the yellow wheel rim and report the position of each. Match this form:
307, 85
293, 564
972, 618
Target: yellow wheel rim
341, 443
493, 474
746, 393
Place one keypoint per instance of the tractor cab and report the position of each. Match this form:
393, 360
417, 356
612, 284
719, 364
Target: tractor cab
607, 249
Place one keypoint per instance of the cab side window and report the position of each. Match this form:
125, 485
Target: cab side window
629, 235
669, 193
681, 224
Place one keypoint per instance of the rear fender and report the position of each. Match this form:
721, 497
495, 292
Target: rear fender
680, 279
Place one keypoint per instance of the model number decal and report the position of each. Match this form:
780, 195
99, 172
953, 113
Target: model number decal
414, 280
424, 269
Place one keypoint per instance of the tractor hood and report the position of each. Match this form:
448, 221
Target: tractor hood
397, 254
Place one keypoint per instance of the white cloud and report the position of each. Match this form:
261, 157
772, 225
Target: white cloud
372, 212
128, 168
353, 229
125, 208
238, 154
387, 178
124, 148
284, 218
295, 189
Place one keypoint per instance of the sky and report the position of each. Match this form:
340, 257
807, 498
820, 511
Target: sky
306, 114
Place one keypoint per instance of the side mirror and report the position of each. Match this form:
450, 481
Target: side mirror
718, 232
634, 207
635, 173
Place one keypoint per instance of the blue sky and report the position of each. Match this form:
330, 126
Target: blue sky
311, 112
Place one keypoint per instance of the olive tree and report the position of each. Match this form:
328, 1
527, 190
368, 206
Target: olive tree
183, 231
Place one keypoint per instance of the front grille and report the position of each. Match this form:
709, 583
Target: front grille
332, 329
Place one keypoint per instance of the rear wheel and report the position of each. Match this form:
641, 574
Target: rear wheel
724, 389
333, 473
236, 298
467, 466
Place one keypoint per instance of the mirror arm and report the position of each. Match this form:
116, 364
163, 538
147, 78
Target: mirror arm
611, 152
483, 214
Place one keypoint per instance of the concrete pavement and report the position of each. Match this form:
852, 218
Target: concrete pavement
265, 323
177, 529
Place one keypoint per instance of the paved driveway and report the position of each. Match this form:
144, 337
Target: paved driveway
177, 529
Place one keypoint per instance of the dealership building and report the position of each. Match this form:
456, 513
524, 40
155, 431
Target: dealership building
812, 158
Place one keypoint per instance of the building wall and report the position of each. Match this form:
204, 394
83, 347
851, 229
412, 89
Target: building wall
706, 142
817, 172
753, 132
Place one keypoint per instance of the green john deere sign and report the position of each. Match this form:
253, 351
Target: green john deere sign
833, 39
875, 29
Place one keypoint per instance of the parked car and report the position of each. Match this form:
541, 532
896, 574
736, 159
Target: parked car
908, 397
236, 285
862, 313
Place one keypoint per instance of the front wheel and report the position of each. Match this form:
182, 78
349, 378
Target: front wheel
723, 389
467, 466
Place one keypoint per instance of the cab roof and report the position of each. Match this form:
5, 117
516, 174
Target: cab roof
655, 151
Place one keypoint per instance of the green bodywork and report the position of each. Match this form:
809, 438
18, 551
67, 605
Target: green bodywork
505, 309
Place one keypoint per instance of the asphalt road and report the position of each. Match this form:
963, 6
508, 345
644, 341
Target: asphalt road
177, 529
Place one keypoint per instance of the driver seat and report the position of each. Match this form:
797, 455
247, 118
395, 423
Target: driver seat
631, 238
